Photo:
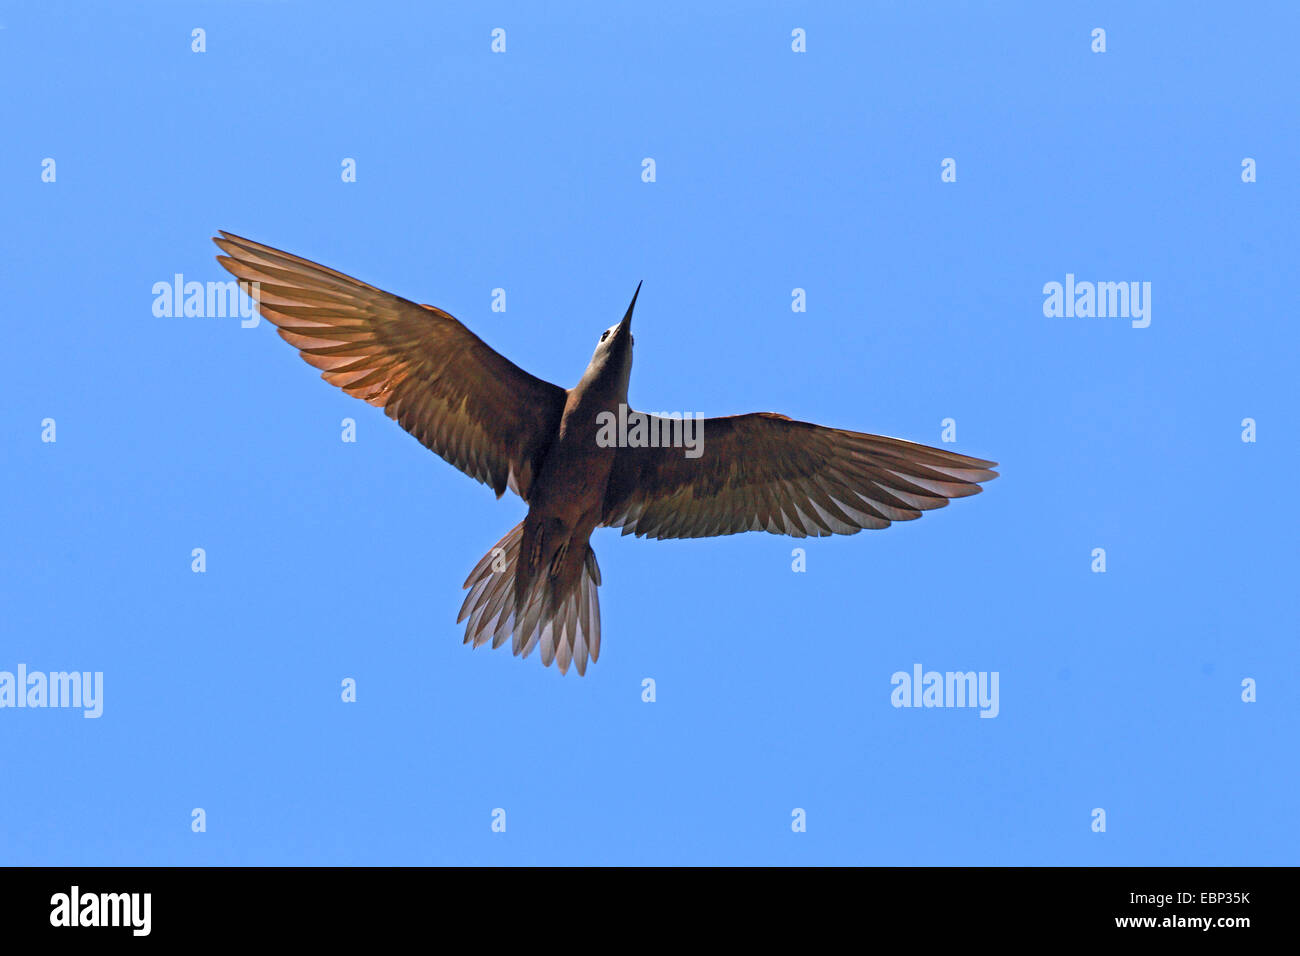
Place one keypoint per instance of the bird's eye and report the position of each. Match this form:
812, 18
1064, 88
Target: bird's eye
604, 335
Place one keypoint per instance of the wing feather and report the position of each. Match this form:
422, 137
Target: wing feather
765, 472
438, 380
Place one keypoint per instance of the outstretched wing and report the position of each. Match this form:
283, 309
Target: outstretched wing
436, 378
765, 472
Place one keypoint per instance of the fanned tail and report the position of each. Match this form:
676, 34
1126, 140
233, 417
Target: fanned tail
560, 612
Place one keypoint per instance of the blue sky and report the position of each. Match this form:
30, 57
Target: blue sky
775, 170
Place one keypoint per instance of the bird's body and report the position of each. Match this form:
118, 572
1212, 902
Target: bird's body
566, 506
508, 429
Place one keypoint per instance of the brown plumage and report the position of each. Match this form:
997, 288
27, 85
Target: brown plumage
508, 429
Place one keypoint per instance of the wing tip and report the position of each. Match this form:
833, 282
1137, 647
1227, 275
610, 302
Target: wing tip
224, 239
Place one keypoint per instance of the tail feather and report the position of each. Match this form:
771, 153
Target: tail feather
558, 613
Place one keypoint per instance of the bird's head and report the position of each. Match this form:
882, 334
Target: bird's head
614, 349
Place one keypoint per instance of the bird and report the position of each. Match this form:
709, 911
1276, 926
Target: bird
557, 450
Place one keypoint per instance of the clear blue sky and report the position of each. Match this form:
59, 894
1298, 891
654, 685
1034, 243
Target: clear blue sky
775, 170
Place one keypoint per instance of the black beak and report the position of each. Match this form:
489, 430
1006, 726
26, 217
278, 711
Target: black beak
626, 324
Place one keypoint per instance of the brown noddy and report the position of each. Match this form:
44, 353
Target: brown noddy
508, 429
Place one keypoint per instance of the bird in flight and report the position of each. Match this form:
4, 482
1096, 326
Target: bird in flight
551, 446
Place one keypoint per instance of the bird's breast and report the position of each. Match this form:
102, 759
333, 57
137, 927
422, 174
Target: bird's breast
572, 482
